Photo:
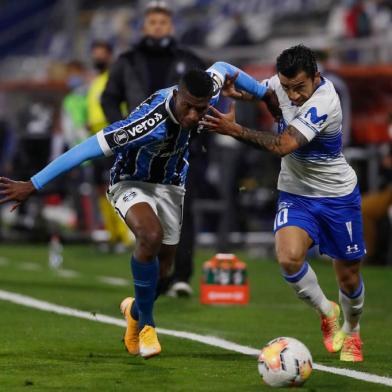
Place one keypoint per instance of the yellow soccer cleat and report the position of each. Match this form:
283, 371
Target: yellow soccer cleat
131, 336
330, 328
352, 348
148, 342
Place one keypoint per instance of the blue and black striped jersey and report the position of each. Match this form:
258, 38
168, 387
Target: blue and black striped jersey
150, 145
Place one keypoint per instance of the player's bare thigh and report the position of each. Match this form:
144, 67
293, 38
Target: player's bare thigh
146, 227
291, 245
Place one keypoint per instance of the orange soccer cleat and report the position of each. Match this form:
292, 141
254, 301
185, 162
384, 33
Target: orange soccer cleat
352, 348
148, 342
330, 327
131, 336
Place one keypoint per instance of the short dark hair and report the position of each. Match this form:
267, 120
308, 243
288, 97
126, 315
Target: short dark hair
198, 83
102, 44
296, 59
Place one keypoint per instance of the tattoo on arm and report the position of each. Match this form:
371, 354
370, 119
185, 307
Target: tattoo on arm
272, 141
297, 135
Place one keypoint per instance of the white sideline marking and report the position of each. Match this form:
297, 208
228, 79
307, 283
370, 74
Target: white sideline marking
114, 281
210, 340
66, 273
28, 266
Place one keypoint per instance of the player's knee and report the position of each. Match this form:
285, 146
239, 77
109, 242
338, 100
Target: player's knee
290, 260
149, 241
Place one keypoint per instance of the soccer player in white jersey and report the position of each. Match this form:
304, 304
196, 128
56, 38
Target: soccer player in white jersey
319, 200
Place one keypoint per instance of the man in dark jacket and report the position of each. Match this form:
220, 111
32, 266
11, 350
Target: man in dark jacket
156, 62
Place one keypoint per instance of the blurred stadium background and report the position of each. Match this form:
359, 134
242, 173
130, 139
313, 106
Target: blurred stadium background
235, 207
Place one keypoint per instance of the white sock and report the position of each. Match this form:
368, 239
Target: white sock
352, 308
306, 286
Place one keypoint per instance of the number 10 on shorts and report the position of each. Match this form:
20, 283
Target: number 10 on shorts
281, 217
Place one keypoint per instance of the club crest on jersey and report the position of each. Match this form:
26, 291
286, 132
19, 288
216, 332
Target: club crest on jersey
314, 118
121, 137
129, 196
217, 82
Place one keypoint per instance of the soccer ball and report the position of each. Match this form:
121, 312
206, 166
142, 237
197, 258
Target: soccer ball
285, 362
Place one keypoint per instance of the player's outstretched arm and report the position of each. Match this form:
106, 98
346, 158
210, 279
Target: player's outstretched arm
18, 191
240, 79
279, 144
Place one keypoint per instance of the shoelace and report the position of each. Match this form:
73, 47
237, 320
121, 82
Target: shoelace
353, 345
148, 338
329, 325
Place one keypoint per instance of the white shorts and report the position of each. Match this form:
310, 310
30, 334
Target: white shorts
166, 200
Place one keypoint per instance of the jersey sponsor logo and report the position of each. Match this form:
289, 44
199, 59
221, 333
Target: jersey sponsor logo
314, 118
137, 128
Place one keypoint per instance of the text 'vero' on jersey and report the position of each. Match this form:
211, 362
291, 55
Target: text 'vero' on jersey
150, 145
319, 168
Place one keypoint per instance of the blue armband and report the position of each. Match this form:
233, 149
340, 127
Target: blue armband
89, 149
243, 82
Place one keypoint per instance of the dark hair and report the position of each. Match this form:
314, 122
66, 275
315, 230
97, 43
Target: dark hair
296, 59
102, 44
198, 83
76, 64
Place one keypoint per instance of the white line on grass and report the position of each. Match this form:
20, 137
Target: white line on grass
28, 266
210, 340
113, 280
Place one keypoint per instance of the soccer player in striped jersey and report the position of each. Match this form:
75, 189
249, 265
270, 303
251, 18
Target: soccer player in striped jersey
147, 182
319, 201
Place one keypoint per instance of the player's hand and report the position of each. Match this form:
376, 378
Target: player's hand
222, 123
229, 90
16, 191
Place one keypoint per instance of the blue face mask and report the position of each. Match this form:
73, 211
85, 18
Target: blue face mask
74, 82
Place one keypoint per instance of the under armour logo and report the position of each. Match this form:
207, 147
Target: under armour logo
314, 118
352, 249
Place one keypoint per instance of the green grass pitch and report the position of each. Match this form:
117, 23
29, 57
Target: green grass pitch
42, 351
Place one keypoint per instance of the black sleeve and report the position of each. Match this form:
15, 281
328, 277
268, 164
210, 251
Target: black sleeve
114, 95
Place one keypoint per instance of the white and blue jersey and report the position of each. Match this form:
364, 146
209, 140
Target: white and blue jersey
319, 168
318, 188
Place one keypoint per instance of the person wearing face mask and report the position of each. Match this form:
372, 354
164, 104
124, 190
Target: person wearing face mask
74, 107
154, 63
119, 237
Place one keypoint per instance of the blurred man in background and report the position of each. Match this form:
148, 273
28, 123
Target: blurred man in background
119, 237
157, 62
